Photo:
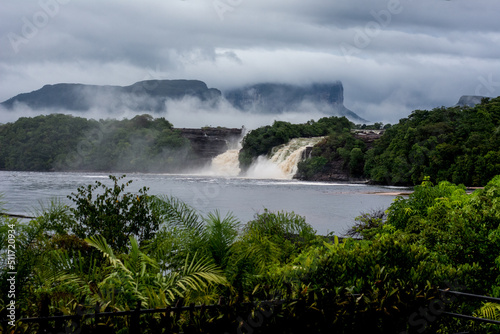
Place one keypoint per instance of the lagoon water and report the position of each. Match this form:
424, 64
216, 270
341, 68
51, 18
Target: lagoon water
328, 207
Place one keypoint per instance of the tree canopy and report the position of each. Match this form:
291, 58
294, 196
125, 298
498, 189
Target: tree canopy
456, 144
65, 142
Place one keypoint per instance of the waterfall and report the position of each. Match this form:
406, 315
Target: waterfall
282, 163
283, 160
226, 164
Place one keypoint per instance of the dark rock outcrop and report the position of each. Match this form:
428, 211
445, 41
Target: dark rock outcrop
469, 100
368, 136
207, 143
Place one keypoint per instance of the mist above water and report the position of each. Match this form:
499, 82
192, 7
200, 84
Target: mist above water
186, 112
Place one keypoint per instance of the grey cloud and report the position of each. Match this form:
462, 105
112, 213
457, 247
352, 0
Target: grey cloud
426, 53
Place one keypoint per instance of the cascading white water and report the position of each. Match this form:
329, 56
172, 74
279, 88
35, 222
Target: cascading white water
284, 159
226, 164
282, 163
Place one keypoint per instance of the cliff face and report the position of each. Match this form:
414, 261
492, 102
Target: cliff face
276, 98
150, 96
368, 136
207, 143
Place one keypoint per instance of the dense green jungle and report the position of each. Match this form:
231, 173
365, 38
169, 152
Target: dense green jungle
455, 144
68, 143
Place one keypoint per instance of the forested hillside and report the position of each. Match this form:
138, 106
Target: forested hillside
64, 142
456, 144
34, 144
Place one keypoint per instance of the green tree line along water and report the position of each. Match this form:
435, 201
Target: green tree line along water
113, 248
455, 144
64, 142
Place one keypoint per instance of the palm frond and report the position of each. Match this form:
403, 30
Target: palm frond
489, 311
168, 248
60, 268
54, 215
137, 261
177, 213
221, 233
280, 224
131, 275
100, 243
121, 282
263, 252
197, 275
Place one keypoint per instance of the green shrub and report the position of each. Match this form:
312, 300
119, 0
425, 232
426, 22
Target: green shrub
113, 213
311, 166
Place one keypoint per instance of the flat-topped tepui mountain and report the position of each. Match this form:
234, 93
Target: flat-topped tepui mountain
151, 95
278, 98
142, 96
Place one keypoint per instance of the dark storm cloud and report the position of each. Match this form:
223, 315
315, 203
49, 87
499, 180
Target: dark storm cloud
393, 56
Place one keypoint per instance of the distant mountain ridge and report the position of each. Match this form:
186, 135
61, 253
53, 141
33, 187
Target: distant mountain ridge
147, 95
151, 95
275, 98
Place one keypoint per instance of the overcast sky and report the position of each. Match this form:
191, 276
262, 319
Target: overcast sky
392, 56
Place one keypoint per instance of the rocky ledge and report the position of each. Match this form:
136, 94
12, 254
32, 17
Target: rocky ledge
208, 142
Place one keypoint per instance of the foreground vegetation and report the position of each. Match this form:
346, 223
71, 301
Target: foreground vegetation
113, 249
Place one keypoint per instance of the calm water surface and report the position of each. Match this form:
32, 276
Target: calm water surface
327, 206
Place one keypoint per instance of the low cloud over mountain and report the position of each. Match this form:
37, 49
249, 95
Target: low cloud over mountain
190, 97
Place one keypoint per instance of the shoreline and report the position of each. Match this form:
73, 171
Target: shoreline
388, 193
